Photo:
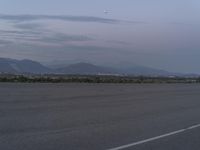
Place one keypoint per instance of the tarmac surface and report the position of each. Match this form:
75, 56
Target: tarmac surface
99, 116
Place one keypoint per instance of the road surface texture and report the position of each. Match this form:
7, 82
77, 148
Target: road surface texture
99, 116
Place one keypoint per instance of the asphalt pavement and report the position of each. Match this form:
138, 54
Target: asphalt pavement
99, 116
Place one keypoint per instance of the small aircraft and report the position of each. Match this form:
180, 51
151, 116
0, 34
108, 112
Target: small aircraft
106, 12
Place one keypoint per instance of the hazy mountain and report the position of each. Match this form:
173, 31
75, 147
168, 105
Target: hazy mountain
148, 71
22, 66
86, 68
28, 66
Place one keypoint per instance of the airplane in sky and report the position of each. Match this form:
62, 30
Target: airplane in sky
106, 12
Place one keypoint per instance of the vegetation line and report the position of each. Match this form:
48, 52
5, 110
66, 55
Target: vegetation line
95, 79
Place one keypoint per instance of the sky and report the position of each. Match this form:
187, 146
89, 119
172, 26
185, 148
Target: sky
155, 33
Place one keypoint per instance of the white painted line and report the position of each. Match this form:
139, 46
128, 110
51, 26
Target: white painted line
195, 126
155, 138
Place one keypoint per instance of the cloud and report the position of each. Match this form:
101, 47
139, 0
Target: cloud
28, 29
92, 19
50, 37
61, 38
23, 18
5, 42
36, 33
118, 42
61, 52
28, 26
24, 32
180, 23
17, 32
16, 35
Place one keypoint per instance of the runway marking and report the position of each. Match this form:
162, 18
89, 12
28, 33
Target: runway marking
155, 138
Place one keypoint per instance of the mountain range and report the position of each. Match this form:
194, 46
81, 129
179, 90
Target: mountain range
8, 65
14, 66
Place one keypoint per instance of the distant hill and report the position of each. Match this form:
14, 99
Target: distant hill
86, 68
148, 71
90, 69
28, 66
22, 66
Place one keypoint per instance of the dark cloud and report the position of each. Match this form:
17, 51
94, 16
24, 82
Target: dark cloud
118, 42
14, 35
17, 32
44, 37
23, 18
41, 34
25, 30
28, 26
36, 32
5, 42
60, 38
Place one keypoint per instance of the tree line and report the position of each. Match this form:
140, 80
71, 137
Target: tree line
96, 79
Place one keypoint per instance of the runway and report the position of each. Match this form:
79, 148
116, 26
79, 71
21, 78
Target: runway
99, 116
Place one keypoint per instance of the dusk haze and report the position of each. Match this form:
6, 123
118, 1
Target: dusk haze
99, 74
154, 33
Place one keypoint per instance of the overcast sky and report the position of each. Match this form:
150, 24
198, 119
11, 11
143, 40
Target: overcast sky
163, 34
